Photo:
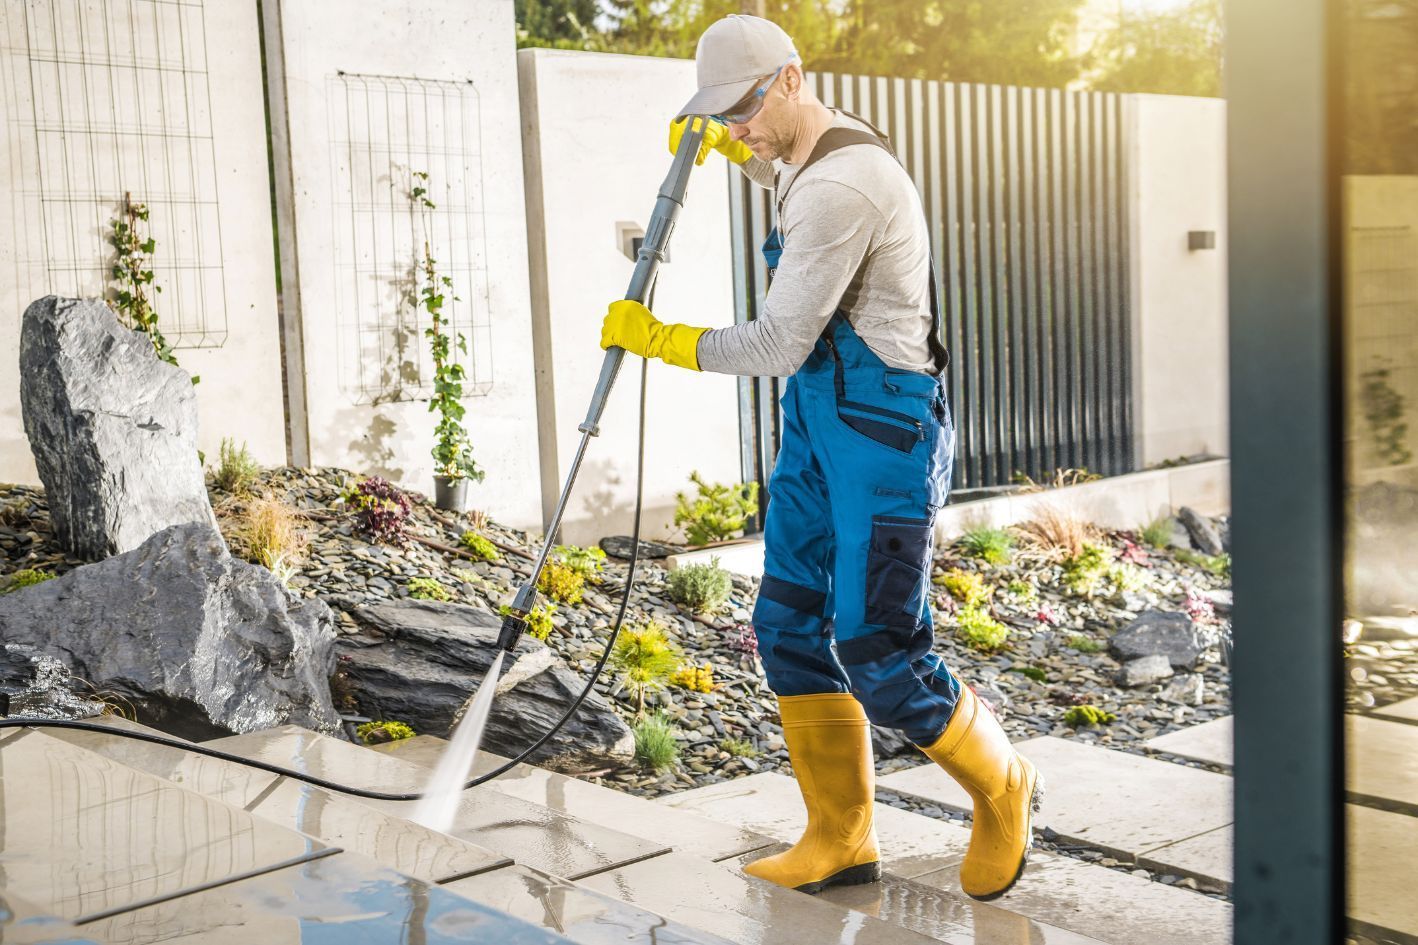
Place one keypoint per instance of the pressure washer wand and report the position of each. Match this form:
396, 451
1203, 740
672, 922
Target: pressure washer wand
668, 204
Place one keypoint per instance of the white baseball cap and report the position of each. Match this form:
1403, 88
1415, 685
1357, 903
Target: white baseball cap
733, 56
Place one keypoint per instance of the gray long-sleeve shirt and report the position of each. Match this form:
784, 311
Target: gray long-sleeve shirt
854, 235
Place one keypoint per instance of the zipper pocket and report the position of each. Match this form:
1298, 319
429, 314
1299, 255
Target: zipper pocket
900, 419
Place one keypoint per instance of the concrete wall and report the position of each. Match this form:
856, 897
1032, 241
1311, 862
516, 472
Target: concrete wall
364, 96
87, 116
594, 136
1179, 304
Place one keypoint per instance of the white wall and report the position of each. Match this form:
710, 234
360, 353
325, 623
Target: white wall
1179, 302
362, 95
594, 134
81, 132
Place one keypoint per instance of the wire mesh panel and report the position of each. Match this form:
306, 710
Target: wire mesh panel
386, 131
111, 97
1025, 199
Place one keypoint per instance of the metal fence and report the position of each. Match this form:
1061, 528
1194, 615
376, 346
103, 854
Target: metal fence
1025, 193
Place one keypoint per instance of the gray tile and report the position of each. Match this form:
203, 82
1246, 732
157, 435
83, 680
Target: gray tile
83, 834
1122, 803
1211, 742
934, 912
1207, 858
1383, 759
582, 915
771, 804
595, 804
1407, 709
1383, 859
342, 898
334, 818
741, 908
1106, 904
528, 833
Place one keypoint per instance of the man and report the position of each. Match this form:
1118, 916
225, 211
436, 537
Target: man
843, 614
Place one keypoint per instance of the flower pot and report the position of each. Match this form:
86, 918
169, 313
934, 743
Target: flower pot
451, 495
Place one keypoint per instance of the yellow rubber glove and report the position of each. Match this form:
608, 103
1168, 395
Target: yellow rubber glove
716, 136
630, 325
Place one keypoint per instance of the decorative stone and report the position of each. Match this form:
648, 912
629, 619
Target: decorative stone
1164, 633
1143, 671
1203, 534
618, 546
113, 429
200, 643
1187, 689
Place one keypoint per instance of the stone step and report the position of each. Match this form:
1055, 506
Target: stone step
84, 835
1407, 710
582, 915
527, 833
743, 909
1382, 862
1210, 742
1056, 893
1382, 762
637, 816
1161, 815
338, 819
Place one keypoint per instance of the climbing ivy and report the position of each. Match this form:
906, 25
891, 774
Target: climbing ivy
133, 277
1384, 410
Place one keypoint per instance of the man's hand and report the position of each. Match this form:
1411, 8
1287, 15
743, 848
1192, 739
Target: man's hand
716, 137
629, 325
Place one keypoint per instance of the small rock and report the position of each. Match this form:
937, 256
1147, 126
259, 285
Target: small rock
1187, 689
1203, 534
1145, 670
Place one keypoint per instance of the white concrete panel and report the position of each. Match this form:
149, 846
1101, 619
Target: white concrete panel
371, 93
1179, 295
595, 130
162, 101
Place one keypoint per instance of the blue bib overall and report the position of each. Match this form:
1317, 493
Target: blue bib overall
865, 462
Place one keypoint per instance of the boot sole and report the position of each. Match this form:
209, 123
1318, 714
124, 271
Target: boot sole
851, 876
1036, 801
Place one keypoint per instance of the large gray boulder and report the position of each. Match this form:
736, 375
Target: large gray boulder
419, 662
199, 643
1160, 633
113, 429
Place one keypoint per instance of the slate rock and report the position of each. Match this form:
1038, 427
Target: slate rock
420, 661
1186, 689
1203, 534
199, 643
113, 429
1144, 671
1157, 632
889, 742
1179, 538
618, 546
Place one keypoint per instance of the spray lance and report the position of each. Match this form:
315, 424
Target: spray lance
652, 252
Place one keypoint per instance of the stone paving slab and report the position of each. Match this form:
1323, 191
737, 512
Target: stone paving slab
84, 834
342, 898
335, 818
582, 915
1407, 709
771, 804
1382, 864
1209, 856
1382, 759
932, 911
1121, 803
1211, 742
527, 833
637, 816
740, 908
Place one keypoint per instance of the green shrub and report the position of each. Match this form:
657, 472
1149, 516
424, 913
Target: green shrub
28, 577
1127, 577
717, 512
703, 588
740, 747
1215, 565
1088, 715
1032, 672
991, 545
586, 562
1023, 591
478, 546
646, 658
968, 587
236, 470
1084, 644
539, 623
376, 733
979, 630
1083, 573
655, 745
561, 582
694, 678
1156, 533
421, 588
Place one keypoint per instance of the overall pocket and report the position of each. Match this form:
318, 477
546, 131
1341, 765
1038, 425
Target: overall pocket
900, 431
898, 569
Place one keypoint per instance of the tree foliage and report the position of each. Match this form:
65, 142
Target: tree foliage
1176, 52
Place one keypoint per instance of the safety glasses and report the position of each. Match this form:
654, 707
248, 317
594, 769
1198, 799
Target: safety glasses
748, 106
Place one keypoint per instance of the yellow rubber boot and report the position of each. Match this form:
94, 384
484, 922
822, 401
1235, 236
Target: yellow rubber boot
1005, 788
830, 748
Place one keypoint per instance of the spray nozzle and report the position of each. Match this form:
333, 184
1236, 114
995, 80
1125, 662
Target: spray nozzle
514, 621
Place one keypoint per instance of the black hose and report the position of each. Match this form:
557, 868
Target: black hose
386, 795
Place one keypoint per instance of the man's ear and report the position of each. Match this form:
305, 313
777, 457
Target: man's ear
793, 80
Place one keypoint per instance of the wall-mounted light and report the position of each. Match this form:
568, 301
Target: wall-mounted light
1201, 239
